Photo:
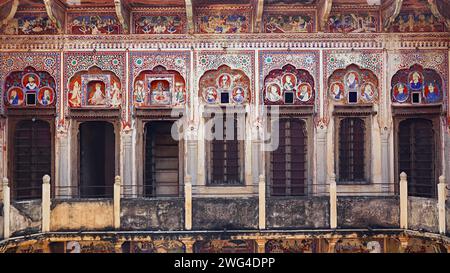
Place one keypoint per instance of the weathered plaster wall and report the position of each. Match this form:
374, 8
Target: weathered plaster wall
82, 215
151, 214
298, 212
363, 212
224, 213
423, 214
447, 216
25, 217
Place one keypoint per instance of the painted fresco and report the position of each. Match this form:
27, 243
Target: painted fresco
289, 2
93, 24
225, 85
94, 88
353, 85
426, 83
353, 22
225, 246
158, 246
284, 23
423, 245
417, 22
289, 86
159, 24
29, 88
292, 246
360, 245
232, 23
29, 24
159, 87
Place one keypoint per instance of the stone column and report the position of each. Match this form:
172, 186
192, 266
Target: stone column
188, 202
6, 208
63, 185
261, 245
188, 244
385, 159
262, 202
129, 189
321, 159
441, 204
46, 203
403, 201
116, 209
191, 153
333, 202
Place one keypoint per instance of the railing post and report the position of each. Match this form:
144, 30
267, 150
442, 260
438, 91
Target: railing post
262, 202
333, 202
188, 202
441, 204
403, 201
116, 209
6, 208
46, 203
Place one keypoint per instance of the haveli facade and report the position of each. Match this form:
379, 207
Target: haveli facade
91, 91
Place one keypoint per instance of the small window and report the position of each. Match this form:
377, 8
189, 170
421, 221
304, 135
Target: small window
224, 97
352, 97
288, 97
415, 97
351, 158
31, 99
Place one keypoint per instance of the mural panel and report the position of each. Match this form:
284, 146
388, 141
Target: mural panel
289, 86
416, 85
159, 23
289, 23
293, 246
225, 246
157, 246
360, 245
225, 85
417, 22
224, 22
33, 23
353, 85
100, 23
345, 22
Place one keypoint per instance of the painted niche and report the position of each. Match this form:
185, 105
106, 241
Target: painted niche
353, 85
289, 23
159, 87
224, 86
148, 23
353, 22
33, 23
94, 88
98, 24
289, 86
416, 85
30, 88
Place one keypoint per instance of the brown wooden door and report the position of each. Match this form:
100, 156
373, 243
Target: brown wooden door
416, 155
32, 158
161, 160
351, 150
288, 161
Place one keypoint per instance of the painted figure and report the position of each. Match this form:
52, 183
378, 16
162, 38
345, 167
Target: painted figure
352, 81
211, 95
46, 99
75, 95
433, 95
273, 92
31, 84
14, 98
179, 94
239, 95
304, 92
415, 81
367, 93
402, 94
115, 90
289, 82
139, 92
337, 92
98, 98
225, 81
160, 94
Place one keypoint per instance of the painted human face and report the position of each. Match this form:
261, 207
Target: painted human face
31, 80
351, 77
336, 89
273, 89
431, 88
368, 89
415, 77
288, 79
304, 88
13, 94
401, 88
97, 87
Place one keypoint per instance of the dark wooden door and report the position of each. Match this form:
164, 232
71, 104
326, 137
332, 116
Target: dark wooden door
97, 159
32, 158
161, 160
416, 156
351, 149
288, 161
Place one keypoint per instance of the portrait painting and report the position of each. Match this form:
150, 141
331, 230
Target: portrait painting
222, 24
368, 92
304, 92
239, 94
75, 93
431, 92
289, 82
273, 92
352, 81
30, 82
180, 94
29, 24
224, 81
45, 96
94, 24
140, 93
96, 93
415, 80
211, 95
15, 96
412, 22
400, 92
282, 23
352, 22
337, 91
160, 89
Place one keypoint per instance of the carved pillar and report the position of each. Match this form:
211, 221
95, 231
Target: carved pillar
63, 182
385, 159
260, 245
188, 244
129, 190
191, 161
403, 243
321, 154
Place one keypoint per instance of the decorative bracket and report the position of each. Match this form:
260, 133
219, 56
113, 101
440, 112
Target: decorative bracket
7, 11
123, 14
55, 11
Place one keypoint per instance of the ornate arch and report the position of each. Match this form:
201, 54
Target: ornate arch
225, 85
289, 85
